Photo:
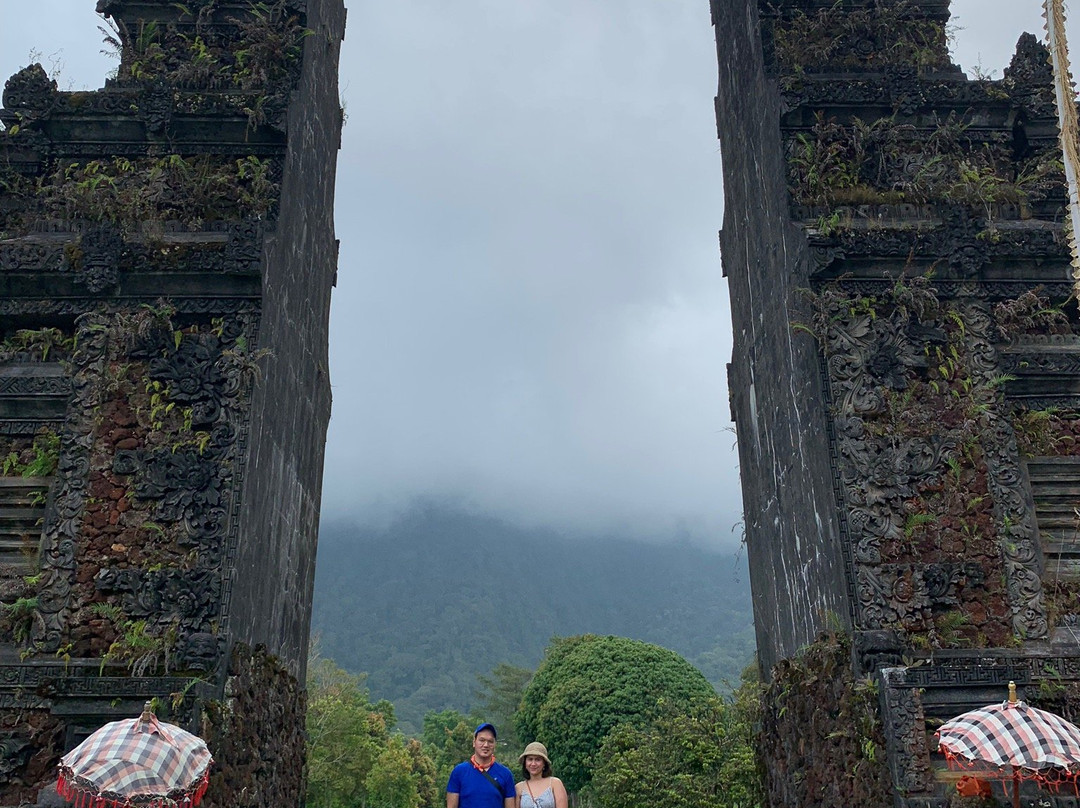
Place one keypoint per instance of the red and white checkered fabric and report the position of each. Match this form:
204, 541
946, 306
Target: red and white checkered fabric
136, 761
1012, 735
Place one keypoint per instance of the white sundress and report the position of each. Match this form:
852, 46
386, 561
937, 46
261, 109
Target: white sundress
544, 800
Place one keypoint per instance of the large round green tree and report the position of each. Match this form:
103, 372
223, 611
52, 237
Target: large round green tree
588, 685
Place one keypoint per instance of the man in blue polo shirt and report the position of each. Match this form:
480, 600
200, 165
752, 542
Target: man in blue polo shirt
480, 782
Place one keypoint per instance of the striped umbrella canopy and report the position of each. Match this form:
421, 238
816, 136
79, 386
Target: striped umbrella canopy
139, 762
1013, 740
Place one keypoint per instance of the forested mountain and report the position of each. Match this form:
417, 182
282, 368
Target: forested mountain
439, 596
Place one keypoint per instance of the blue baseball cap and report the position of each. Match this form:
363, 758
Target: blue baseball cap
482, 727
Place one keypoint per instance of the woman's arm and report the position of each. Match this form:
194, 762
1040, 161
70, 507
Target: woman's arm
559, 790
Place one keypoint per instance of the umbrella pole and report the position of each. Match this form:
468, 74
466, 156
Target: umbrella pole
1016, 788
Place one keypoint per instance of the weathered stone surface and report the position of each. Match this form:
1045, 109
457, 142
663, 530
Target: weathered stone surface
166, 260
903, 381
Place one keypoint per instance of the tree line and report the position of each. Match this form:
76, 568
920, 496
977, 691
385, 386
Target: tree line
398, 603
626, 724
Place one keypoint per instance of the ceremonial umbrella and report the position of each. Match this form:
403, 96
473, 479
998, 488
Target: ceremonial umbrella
136, 763
1012, 740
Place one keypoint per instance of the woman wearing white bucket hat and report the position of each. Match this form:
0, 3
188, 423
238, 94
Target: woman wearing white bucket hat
539, 789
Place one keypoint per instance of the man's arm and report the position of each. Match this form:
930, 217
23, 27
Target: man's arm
510, 796
452, 798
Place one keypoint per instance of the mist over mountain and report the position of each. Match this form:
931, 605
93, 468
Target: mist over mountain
427, 602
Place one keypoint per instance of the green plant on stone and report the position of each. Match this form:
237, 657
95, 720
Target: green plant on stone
38, 343
108, 611
20, 615
39, 459
948, 627
139, 648
825, 37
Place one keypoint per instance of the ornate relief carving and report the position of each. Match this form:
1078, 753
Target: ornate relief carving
32, 257
15, 751
156, 106
191, 487
1013, 506
905, 733
34, 385
1030, 77
30, 91
99, 264
964, 253
874, 352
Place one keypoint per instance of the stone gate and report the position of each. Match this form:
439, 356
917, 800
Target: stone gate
167, 254
904, 384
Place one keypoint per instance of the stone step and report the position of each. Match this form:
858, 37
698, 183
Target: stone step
1056, 520
1061, 538
1037, 466
14, 490
1062, 569
22, 509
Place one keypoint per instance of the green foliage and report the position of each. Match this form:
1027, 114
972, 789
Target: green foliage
272, 40
345, 736
499, 698
385, 604
829, 36
429, 786
390, 782
264, 46
855, 164
37, 344
589, 685
448, 737
353, 759
186, 189
701, 759
139, 646
39, 459
19, 615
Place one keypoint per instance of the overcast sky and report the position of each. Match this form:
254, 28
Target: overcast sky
530, 317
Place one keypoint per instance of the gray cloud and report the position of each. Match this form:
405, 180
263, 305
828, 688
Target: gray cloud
530, 315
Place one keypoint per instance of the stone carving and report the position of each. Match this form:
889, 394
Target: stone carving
957, 290
48, 307
18, 257
966, 252
892, 596
186, 486
243, 250
62, 526
1030, 77
1013, 506
962, 252
15, 751
905, 733
156, 106
904, 88
903, 94
198, 651
30, 92
871, 357
98, 267
875, 650
189, 487
188, 598
34, 385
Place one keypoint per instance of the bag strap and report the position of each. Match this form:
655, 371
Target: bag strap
491, 780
